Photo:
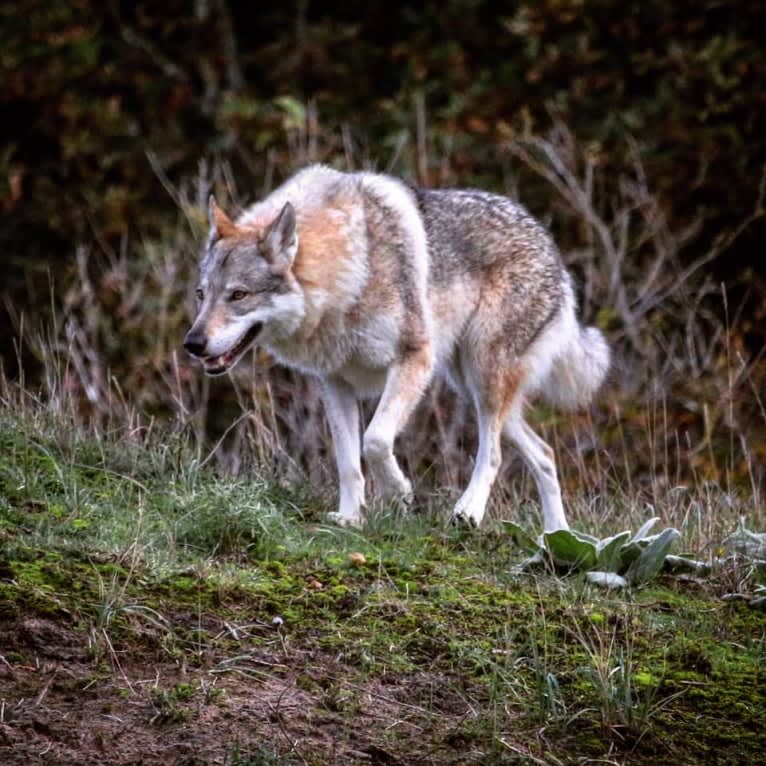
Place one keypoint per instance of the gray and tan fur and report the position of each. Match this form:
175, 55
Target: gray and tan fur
375, 287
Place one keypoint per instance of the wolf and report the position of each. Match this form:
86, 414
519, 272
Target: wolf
375, 286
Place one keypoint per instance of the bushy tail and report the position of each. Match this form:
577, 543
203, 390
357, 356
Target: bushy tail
579, 370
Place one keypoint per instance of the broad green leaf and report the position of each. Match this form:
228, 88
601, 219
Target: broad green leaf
632, 549
568, 549
628, 554
583, 536
652, 557
645, 529
521, 537
606, 579
608, 551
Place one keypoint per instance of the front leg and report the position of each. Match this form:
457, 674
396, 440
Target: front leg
343, 416
405, 383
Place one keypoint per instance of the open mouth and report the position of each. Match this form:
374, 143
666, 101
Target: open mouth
216, 365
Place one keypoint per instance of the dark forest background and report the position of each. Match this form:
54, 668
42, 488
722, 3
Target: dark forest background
115, 114
89, 88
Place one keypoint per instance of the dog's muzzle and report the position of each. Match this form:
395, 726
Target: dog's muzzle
216, 365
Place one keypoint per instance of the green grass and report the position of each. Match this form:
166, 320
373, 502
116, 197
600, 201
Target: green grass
423, 646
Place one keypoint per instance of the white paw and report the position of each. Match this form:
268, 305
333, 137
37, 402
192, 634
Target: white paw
344, 519
399, 491
465, 515
462, 519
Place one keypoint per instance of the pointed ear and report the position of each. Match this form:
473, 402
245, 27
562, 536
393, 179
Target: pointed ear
281, 240
221, 225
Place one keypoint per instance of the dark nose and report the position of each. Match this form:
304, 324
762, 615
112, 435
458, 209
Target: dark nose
194, 343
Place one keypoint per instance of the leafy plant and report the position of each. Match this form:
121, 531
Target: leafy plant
614, 562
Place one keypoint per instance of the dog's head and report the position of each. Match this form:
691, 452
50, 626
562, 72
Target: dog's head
246, 288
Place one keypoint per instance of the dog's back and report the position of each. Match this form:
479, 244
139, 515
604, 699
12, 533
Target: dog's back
523, 303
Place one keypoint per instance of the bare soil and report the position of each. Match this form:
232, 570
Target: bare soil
67, 701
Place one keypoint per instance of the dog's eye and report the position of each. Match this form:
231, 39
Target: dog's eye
238, 295
199, 294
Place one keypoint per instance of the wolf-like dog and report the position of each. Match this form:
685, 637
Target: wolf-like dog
374, 287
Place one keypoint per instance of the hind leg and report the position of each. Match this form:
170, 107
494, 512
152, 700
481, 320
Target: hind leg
539, 458
473, 502
493, 394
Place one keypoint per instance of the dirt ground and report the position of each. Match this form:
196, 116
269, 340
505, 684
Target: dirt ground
62, 702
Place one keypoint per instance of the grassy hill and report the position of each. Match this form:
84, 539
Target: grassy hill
152, 611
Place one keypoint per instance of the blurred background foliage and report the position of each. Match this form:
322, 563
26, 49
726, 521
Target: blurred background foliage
109, 108
89, 88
